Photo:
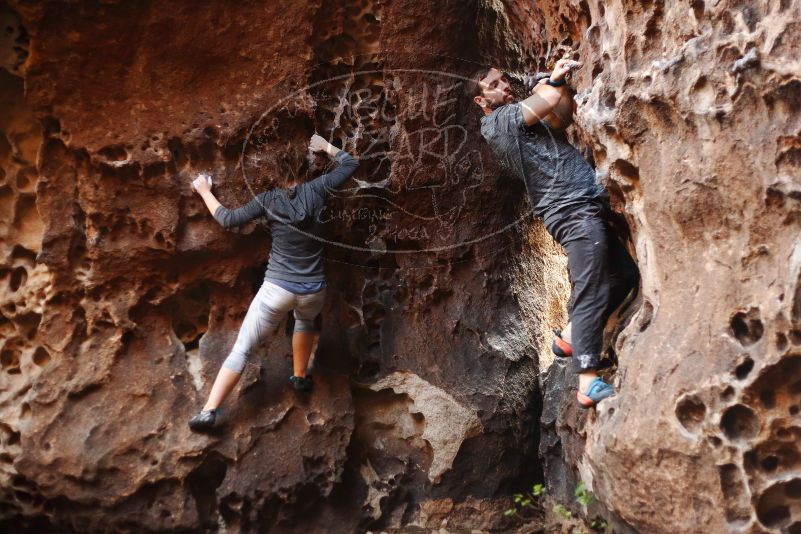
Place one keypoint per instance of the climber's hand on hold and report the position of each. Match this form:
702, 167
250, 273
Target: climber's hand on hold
562, 67
318, 144
202, 184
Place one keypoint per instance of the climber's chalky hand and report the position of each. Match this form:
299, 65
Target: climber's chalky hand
202, 184
562, 67
318, 144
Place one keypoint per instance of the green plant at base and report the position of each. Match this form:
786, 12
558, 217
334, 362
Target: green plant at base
583, 495
600, 525
529, 500
561, 511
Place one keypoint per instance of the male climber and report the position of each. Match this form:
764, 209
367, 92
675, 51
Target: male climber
528, 139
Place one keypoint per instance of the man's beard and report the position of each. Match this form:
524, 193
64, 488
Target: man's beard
501, 103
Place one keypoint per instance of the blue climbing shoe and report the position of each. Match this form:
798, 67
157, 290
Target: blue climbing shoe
598, 391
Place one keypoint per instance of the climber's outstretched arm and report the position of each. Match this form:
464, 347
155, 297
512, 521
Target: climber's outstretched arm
202, 186
228, 218
347, 165
545, 97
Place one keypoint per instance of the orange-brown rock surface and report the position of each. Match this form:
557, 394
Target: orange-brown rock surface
692, 113
120, 296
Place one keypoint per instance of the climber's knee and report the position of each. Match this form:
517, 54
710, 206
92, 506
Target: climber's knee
236, 361
305, 325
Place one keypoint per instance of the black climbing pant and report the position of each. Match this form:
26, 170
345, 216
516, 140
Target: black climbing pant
601, 271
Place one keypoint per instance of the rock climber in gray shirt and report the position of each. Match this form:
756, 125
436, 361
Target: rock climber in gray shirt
295, 278
528, 139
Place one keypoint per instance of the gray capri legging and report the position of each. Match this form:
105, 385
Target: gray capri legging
264, 315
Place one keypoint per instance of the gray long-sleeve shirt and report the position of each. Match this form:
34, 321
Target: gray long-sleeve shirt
555, 173
297, 251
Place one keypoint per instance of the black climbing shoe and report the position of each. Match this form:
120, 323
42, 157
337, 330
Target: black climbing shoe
204, 421
301, 384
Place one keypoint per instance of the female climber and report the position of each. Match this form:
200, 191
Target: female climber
295, 279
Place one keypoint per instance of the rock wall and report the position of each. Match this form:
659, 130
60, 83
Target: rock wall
120, 296
691, 112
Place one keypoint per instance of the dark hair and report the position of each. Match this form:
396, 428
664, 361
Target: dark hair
473, 83
293, 165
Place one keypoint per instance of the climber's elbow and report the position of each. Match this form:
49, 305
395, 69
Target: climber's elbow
223, 217
540, 104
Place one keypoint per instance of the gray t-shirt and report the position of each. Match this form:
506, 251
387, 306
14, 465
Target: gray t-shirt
554, 172
296, 254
